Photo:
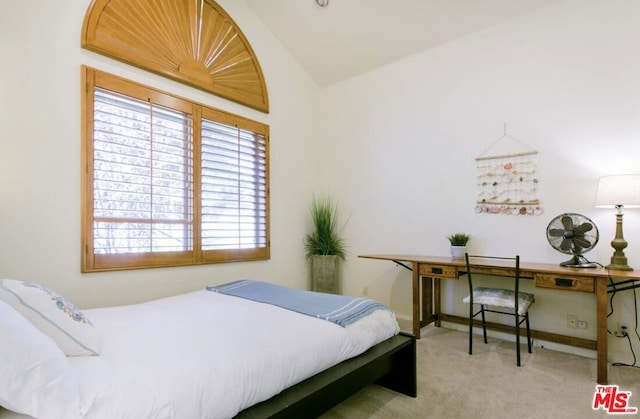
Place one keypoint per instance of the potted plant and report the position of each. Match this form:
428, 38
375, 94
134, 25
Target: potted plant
458, 244
324, 247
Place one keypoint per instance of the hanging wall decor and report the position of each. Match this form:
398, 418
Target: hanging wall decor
507, 180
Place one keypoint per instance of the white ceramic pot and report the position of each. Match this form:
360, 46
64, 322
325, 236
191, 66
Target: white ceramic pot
457, 252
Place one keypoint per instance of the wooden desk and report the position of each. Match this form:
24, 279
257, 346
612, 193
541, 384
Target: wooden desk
431, 269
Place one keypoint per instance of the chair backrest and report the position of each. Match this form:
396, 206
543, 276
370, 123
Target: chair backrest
486, 263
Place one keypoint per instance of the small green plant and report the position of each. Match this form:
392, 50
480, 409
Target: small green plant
324, 240
459, 239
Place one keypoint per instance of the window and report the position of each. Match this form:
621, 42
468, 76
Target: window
169, 182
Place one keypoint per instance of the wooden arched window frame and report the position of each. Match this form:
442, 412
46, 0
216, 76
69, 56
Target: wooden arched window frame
193, 42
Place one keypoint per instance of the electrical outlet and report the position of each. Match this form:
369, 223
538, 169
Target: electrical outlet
365, 290
624, 330
582, 324
621, 330
572, 321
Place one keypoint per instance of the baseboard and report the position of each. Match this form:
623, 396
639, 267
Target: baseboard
537, 343
406, 324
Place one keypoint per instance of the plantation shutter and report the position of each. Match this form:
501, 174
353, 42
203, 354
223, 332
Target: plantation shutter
142, 176
234, 190
169, 182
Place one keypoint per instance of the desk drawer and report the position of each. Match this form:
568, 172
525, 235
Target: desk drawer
566, 282
438, 271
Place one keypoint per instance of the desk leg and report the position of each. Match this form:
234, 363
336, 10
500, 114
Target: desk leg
426, 301
436, 301
602, 336
416, 301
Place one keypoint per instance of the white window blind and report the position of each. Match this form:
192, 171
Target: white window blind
234, 188
142, 176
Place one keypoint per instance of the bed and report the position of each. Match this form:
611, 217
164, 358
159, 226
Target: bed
205, 354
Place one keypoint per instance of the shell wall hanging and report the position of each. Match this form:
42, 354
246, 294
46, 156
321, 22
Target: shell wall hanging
507, 182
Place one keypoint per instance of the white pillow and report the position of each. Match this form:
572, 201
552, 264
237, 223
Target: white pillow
53, 315
36, 378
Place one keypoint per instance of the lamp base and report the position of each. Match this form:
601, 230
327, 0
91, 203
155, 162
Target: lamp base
619, 260
618, 267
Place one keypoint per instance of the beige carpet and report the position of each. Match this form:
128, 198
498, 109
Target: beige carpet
487, 384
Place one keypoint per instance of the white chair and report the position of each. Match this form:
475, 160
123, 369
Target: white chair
499, 299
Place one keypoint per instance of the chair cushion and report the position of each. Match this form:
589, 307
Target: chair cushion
498, 297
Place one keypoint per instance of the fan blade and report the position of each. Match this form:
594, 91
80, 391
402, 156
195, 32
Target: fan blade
556, 232
567, 222
566, 244
581, 242
583, 228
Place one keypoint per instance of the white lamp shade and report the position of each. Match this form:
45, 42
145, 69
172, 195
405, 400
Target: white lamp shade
618, 190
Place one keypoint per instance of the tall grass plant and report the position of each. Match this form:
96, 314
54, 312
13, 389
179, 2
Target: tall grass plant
324, 240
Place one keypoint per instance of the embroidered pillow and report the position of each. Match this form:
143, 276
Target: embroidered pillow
36, 379
53, 315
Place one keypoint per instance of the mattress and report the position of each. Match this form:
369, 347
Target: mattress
206, 354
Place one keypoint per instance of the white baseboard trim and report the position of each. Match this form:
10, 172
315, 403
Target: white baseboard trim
406, 325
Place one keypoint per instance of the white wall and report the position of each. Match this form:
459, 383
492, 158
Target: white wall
40, 157
399, 146
400, 143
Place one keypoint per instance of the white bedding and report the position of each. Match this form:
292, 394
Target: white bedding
208, 355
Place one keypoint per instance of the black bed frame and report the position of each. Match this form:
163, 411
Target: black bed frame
391, 364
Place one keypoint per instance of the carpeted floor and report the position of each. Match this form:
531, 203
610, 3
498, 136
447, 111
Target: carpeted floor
487, 384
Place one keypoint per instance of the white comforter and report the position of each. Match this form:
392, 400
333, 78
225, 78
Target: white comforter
208, 355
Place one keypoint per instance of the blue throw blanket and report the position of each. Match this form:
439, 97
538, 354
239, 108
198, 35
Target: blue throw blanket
340, 309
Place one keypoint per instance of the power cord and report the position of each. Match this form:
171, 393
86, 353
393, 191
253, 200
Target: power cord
623, 333
622, 364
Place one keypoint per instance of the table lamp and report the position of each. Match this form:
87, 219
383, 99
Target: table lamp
618, 191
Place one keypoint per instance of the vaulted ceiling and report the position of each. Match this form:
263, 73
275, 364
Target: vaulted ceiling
351, 37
